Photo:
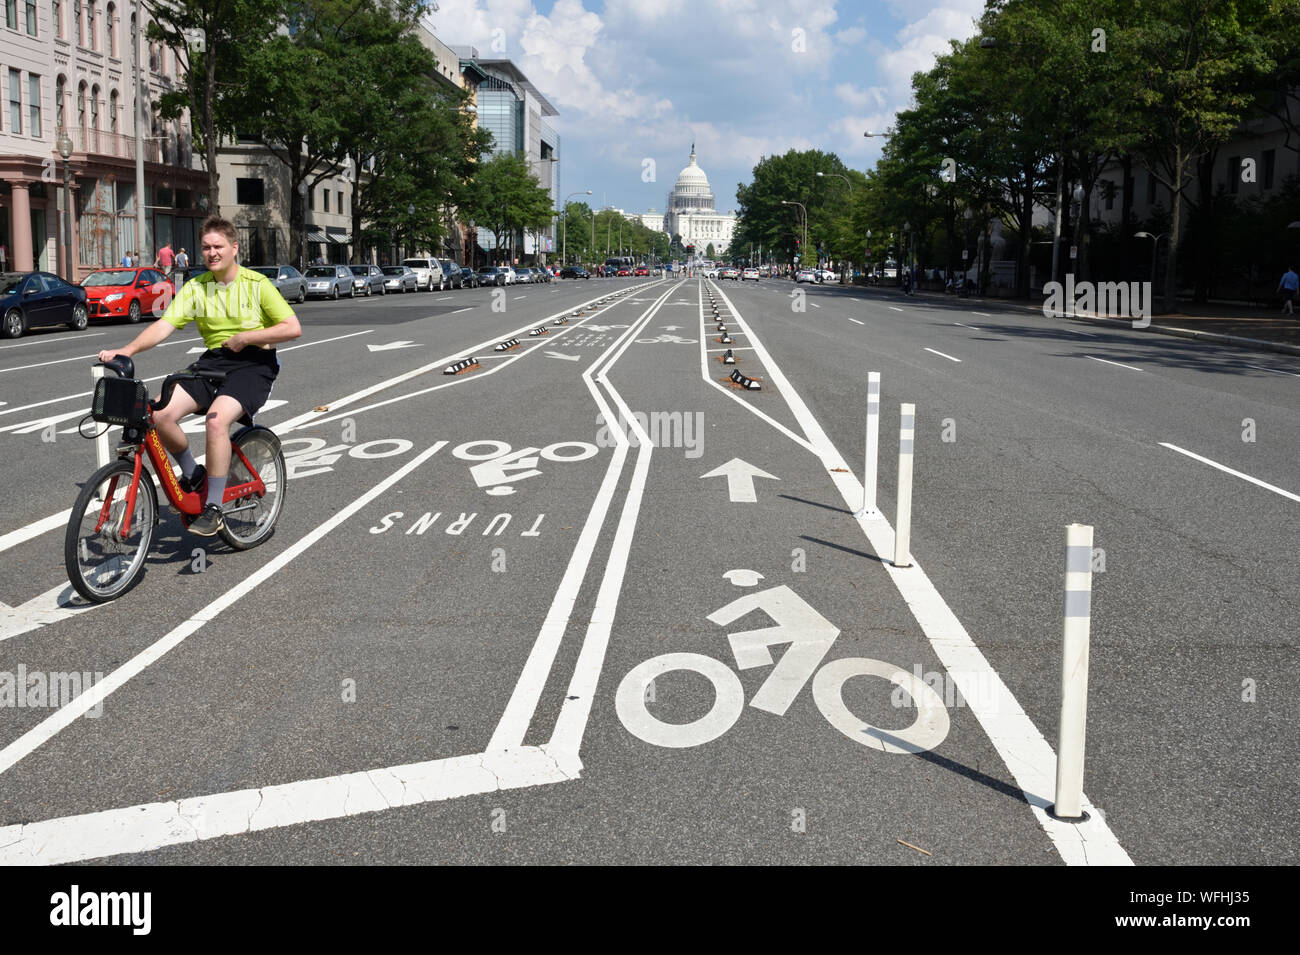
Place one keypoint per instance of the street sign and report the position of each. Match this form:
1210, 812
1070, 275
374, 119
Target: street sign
1074, 251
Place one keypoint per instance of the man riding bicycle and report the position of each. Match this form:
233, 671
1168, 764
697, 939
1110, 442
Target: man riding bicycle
242, 317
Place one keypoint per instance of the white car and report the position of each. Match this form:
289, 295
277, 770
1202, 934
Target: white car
806, 275
749, 274
511, 277
826, 275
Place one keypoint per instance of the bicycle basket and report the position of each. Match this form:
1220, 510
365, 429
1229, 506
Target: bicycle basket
121, 401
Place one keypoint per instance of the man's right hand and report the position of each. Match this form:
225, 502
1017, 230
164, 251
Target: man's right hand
108, 354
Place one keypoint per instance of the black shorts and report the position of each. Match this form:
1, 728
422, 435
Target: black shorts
250, 375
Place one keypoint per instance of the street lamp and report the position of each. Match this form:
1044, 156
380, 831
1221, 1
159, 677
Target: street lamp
1077, 195
564, 224
791, 202
410, 211
1155, 246
302, 199
65, 150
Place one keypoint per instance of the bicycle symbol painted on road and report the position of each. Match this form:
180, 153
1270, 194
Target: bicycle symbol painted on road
667, 340
810, 636
499, 464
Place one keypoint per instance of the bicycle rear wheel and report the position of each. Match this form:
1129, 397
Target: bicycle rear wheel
250, 520
102, 563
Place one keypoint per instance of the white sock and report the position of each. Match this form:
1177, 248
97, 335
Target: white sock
216, 489
187, 462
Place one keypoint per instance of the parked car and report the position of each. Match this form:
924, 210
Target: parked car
31, 299
512, 277
428, 271
450, 273
575, 272
400, 278
641, 270
749, 274
287, 279
468, 277
806, 275
491, 275
826, 275
328, 281
367, 279
127, 293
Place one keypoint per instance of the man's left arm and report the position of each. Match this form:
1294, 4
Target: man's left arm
284, 330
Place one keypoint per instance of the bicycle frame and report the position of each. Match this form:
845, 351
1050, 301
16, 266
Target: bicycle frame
189, 504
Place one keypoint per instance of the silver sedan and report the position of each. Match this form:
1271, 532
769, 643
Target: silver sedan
400, 278
290, 282
367, 279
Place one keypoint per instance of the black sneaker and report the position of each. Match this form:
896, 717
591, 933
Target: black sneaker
195, 481
208, 523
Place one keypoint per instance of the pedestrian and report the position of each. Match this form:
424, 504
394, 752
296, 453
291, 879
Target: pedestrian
165, 259
182, 263
1288, 286
126, 260
4, 256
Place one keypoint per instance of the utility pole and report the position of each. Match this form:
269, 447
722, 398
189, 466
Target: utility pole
140, 198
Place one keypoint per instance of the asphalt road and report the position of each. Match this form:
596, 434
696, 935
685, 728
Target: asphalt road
589, 602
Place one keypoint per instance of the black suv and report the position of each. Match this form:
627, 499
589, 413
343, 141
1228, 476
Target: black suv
574, 272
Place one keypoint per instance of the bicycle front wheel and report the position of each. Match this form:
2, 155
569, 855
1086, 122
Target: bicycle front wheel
250, 520
102, 560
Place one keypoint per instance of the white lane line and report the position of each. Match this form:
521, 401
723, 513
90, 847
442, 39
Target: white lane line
46, 341
518, 298
814, 305
895, 308
730, 348
1115, 363
519, 711
748, 406
1276, 371
982, 314
1228, 470
1079, 331
964, 325
942, 355
1023, 749
856, 322
445, 298
34, 529
63, 717
323, 341
151, 826
467, 308
60, 361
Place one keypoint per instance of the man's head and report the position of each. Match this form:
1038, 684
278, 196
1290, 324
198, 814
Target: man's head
220, 247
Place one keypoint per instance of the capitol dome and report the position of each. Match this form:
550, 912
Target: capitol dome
691, 194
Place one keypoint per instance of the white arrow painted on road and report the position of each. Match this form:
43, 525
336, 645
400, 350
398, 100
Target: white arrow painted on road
556, 354
671, 328
391, 345
196, 351
53, 605
740, 479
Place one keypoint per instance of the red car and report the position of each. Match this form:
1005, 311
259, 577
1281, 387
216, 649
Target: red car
642, 270
127, 293
623, 272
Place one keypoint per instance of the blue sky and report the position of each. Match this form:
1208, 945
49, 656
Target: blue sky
638, 80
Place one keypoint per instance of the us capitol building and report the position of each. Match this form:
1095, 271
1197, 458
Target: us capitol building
691, 213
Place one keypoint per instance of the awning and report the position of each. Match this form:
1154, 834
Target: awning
339, 236
315, 235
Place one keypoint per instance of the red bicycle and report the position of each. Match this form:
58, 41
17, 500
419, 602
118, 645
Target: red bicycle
112, 523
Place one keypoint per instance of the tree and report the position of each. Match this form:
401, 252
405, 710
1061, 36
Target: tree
234, 32
505, 199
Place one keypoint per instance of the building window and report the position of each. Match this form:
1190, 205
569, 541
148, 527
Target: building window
76, 15
250, 192
60, 91
34, 104
1270, 167
112, 111
11, 14
81, 105
90, 23
326, 194
56, 14
94, 107
110, 28
31, 17
339, 195
15, 102
311, 199
1234, 174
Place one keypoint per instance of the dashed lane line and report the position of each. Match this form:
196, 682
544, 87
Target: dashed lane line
942, 355
1227, 470
1115, 363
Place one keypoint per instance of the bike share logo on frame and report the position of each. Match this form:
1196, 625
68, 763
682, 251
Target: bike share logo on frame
38, 689
1100, 300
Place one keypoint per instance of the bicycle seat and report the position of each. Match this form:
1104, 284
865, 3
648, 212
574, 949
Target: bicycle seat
122, 364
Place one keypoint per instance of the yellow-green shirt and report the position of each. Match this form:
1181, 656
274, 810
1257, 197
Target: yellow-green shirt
250, 302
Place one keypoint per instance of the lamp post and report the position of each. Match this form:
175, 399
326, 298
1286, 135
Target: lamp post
1075, 250
1155, 247
910, 251
564, 224
791, 202
410, 211
302, 200
822, 175
65, 150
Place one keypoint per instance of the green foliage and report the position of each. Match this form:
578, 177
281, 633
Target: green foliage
505, 199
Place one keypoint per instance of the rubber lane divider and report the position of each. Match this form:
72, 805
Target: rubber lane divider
727, 358
560, 321
724, 340
737, 380
460, 367
508, 344
540, 330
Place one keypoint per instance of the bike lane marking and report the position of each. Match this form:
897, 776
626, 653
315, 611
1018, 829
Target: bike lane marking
1022, 747
65, 715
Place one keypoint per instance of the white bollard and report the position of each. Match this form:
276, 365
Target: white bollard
903, 522
101, 442
1074, 673
869, 509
